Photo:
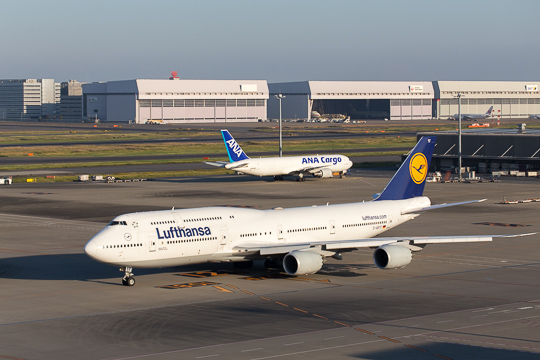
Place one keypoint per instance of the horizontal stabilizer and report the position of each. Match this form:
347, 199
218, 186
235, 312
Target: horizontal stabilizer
217, 163
440, 206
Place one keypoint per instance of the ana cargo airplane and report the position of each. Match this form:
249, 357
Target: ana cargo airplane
323, 166
297, 239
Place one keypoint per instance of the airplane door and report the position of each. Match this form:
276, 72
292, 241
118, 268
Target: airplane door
280, 232
223, 237
152, 242
332, 227
178, 220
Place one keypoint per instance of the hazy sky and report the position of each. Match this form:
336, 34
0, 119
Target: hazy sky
278, 40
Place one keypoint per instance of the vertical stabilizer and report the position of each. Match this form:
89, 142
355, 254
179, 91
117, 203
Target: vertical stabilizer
234, 150
410, 179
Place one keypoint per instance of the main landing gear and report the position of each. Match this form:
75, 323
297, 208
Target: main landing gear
128, 279
301, 177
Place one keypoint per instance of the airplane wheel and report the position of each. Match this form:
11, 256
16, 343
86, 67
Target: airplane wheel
129, 281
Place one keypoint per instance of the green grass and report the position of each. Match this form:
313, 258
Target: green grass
201, 148
126, 175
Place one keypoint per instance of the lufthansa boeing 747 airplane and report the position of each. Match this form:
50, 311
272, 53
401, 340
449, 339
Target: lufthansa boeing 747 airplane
298, 239
317, 165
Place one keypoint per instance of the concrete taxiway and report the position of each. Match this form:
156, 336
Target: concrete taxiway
456, 301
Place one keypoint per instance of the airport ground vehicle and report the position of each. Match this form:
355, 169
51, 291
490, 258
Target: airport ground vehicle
6, 180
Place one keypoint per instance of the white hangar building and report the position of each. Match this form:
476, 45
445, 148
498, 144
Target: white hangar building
393, 100
176, 100
510, 99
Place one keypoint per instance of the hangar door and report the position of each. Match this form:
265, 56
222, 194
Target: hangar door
410, 109
357, 109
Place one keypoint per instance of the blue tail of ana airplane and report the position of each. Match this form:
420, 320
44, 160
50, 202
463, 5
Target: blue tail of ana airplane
234, 150
409, 180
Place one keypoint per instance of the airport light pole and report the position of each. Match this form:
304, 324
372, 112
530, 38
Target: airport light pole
279, 97
459, 134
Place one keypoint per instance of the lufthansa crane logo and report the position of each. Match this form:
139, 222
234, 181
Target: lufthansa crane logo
418, 168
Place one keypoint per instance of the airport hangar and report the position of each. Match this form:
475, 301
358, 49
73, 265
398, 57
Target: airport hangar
403, 100
176, 100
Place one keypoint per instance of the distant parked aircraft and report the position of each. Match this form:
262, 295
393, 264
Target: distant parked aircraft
474, 116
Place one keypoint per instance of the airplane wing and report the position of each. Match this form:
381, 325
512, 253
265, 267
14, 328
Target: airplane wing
217, 163
278, 249
310, 168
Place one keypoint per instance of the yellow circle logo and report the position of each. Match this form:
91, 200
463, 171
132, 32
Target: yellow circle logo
418, 168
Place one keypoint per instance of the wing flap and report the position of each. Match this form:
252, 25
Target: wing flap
279, 249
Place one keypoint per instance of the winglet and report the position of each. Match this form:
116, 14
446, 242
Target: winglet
234, 150
410, 179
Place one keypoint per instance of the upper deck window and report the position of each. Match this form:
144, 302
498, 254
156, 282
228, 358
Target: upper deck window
112, 223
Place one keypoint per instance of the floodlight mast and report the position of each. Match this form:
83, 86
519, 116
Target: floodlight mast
279, 97
459, 95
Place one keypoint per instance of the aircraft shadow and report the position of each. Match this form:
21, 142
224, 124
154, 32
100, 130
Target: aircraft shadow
66, 267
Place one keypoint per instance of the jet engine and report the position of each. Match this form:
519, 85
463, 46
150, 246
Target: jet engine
392, 256
324, 173
302, 262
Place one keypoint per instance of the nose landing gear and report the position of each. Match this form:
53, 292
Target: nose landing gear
128, 279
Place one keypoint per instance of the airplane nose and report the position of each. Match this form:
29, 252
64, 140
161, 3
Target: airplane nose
91, 249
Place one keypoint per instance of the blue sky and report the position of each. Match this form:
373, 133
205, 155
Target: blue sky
278, 40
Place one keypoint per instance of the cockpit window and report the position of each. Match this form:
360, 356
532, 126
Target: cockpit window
113, 223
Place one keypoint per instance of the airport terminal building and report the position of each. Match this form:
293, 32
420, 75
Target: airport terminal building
176, 101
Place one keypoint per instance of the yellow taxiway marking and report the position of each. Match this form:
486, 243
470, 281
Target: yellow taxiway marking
222, 289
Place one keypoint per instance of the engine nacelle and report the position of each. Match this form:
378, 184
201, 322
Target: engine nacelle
392, 256
302, 262
324, 173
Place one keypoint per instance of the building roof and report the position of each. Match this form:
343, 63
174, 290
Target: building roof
164, 89
357, 89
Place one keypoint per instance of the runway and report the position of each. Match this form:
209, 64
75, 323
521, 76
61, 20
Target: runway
455, 301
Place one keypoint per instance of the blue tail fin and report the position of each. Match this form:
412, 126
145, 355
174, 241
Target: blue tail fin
409, 180
234, 150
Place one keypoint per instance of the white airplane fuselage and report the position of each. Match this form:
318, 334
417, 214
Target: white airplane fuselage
291, 164
179, 237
